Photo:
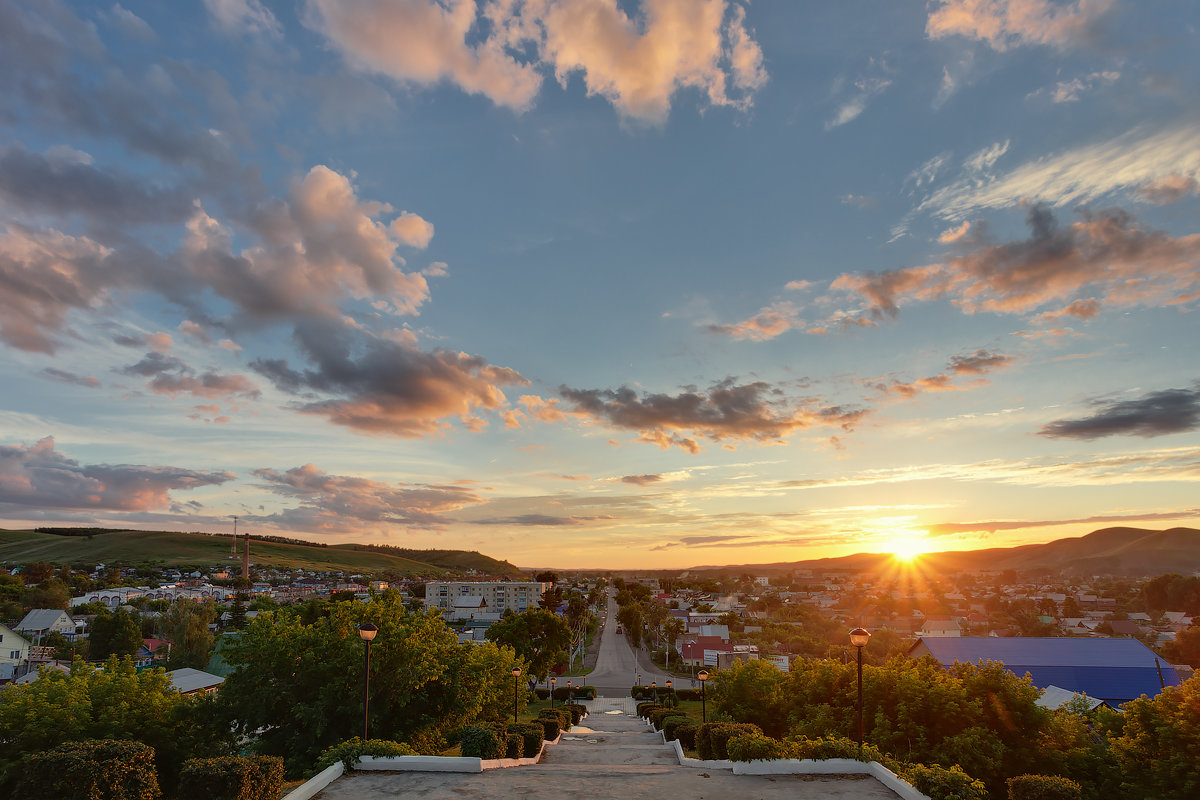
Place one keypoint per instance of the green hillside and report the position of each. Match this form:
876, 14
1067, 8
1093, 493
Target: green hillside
168, 549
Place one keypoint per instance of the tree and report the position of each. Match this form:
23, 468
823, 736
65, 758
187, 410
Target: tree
536, 635
1159, 744
551, 598
50, 593
37, 571
114, 701
115, 634
630, 617
297, 688
673, 628
546, 577
1186, 647
752, 691
186, 623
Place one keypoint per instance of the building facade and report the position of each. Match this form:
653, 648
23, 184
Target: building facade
496, 596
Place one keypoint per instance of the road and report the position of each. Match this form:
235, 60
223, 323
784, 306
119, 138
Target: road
617, 665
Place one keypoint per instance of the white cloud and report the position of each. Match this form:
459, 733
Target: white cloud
243, 16
1082, 175
1011, 23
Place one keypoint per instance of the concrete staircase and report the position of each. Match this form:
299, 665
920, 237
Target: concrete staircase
611, 736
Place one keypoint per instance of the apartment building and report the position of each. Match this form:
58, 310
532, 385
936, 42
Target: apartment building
482, 600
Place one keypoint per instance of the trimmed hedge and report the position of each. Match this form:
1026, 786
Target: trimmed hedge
532, 735
674, 727
578, 712
514, 745
542, 694
585, 692
1043, 787
561, 713
644, 709
480, 742
755, 747
942, 783
712, 737
231, 778
351, 751
550, 727
688, 694
92, 769
657, 717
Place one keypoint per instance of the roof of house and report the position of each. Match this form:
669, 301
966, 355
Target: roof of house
193, 680
470, 601
1114, 670
1056, 697
40, 619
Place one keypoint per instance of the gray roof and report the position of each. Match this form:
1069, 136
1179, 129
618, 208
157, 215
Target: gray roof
193, 680
40, 619
1056, 697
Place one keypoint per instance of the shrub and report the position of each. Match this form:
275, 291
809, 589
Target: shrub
562, 694
562, 712
688, 694
671, 724
480, 742
93, 769
755, 747
514, 745
532, 734
550, 727
684, 729
586, 692
644, 709
657, 717
944, 783
712, 737
578, 712
231, 778
542, 694
1043, 787
351, 751
829, 747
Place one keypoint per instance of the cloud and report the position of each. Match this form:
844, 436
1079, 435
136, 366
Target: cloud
130, 24
1011, 23
63, 376
500, 49
1105, 252
334, 503
243, 16
979, 363
945, 528
170, 376
539, 520
726, 412
768, 323
424, 43
865, 88
1154, 414
42, 477
1086, 308
1128, 162
1169, 189
412, 230
384, 386
641, 480
1069, 91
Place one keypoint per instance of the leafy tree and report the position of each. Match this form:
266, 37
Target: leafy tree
115, 701
297, 688
114, 634
536, 635
673, 628
37, 571
551, 598
546, 577
1159, 744
1186, 647
186, 623
752, 691
630, 617
50, 593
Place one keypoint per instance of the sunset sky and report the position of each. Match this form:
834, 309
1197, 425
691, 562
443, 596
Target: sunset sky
588, 283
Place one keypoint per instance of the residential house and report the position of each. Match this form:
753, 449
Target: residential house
14, 652
940, 626
194, 681
1112, 670
41, 621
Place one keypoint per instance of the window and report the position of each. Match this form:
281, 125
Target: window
15, 654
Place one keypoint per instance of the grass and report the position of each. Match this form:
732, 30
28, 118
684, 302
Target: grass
168, 549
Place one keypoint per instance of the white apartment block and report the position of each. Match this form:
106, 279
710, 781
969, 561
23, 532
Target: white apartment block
450, 597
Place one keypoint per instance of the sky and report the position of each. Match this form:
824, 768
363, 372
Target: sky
601, 284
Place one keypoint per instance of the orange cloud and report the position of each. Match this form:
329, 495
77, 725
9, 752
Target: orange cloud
1009, 23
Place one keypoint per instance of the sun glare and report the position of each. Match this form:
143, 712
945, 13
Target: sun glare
908, 547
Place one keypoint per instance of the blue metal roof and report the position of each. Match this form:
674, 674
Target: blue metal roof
1114, 670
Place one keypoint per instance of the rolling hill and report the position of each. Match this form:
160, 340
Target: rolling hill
168, 549
1124, 552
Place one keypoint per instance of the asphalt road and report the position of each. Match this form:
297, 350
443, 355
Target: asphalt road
617, 665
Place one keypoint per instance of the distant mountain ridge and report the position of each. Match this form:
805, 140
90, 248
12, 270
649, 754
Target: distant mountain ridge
169, 549
1122, 552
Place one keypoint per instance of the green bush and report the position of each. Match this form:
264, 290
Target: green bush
944, 783
578, 712
231, 778
586, 692
351, 751
713, 736
559, 714
550, 727
1043, 787
754, 747
688, 694
532, 734
644, 709
542, 694
92, 769
480, 742
829, 747
562, 693
514, 745
685, 731
657, 717
671, 724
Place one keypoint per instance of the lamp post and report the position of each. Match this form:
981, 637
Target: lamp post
654, 690
552, 682
367, 631
670, 694
516, 673
859, 638
570, 692
703, 676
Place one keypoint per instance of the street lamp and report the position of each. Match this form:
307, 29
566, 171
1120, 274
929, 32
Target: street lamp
367, 631
703, 676
552, 682
570, 692
859, 638
516, 673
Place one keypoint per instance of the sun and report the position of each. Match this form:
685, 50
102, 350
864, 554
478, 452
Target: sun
907, 548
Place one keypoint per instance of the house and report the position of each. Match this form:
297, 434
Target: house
194, 681
14, 649
691, 653
40, 621
469, 607
1112, 670
940, 626
1056, 697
